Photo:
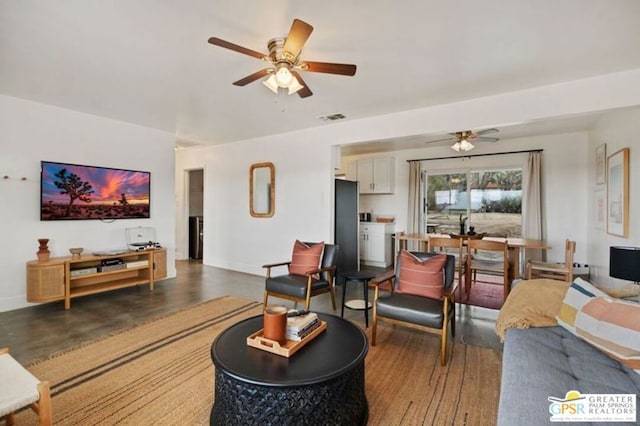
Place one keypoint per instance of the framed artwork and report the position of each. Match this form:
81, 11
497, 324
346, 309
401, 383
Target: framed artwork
618, 193
601, 159
600, 208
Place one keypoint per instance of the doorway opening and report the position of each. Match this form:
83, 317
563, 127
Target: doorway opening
195, 206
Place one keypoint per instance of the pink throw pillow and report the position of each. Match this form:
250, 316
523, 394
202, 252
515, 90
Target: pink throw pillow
306, 258
421, 277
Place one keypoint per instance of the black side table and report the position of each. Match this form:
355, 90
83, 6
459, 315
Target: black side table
358, 304
322, 383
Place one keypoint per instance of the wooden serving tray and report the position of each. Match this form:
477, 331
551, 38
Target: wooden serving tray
256, 340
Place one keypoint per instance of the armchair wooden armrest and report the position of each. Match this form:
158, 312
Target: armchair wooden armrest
320, 270
385, 278
273, 265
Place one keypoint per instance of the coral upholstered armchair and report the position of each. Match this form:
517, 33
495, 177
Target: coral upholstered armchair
311, 271
421, 296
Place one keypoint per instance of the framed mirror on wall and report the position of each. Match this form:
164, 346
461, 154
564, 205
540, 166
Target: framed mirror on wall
262, 189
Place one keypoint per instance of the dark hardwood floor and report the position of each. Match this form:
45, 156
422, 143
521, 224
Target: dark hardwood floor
38, 331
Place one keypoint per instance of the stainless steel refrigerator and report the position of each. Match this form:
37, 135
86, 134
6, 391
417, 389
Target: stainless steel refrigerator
195, 237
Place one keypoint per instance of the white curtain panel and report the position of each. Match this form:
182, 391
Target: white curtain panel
414, 222
532, 209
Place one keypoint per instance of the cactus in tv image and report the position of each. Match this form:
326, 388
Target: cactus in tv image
71, 185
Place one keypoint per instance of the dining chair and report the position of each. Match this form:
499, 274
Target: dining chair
562, 271
421, 296
452, 246
490, 257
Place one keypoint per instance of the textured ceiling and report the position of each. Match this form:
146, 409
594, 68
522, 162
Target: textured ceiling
148, 61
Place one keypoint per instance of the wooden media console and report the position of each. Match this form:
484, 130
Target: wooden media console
63, 278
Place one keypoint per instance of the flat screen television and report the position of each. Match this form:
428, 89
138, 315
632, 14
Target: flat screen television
77, 192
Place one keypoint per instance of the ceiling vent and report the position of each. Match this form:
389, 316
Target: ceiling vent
332, 117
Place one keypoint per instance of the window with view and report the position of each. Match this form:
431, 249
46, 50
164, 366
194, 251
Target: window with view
490, 201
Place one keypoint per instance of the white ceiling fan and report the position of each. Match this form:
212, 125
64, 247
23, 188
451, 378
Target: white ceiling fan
463, 140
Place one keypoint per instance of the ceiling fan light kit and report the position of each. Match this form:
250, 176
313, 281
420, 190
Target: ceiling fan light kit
464, 146
282, 78
284, 56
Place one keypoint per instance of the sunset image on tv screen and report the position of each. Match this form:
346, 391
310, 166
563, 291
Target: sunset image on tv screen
71, 191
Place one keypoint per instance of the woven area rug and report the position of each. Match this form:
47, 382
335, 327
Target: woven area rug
486, 292
161, 373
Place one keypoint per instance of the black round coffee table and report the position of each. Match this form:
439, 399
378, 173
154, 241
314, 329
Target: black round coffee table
322, 383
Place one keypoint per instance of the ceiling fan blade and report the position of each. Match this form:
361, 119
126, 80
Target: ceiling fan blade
253, 77
236, 48
298, 36
486, 131
329, 68
443, 140
305, 91
486, 139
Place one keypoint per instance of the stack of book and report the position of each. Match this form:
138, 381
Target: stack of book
83, 271
301, 326
137, 263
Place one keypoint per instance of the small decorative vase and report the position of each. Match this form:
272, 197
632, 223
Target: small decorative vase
462, 229
43, 250
471, 230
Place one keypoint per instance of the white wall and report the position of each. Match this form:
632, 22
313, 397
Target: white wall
32, 132
303, 203
617, 130
564, 160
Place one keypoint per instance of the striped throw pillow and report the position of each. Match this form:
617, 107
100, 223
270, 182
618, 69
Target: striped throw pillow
579, 293
306, 258
613, 326
421, 277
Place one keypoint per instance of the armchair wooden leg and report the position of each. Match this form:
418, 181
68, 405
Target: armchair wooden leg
444, 331
443, 343
332, 292
266, 298
307, 302
374, 325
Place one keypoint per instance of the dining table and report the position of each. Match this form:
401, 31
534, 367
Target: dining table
516, 246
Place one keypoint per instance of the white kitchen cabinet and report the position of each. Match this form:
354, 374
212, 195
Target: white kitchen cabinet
352, 171
375, 243
375, 175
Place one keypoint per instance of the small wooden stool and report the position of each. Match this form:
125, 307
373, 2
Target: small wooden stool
20, 389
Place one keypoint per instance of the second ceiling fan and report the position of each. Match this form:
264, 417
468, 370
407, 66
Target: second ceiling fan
285, 61
464, 139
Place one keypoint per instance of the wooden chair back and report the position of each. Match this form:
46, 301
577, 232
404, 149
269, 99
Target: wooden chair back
491, 256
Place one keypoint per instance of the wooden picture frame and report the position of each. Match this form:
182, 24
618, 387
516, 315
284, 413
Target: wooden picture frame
618, 193
601, 160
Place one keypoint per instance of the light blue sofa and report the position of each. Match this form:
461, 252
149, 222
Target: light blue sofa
550, 361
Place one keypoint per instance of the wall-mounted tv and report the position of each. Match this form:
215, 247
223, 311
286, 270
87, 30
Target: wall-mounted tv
76, 192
